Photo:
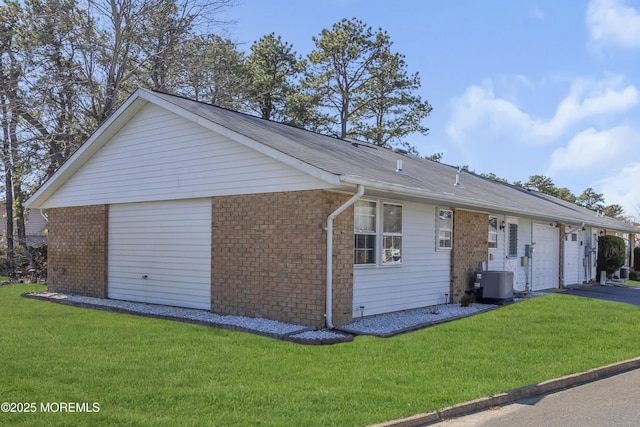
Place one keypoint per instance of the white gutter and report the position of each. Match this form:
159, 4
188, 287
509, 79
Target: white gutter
329, 305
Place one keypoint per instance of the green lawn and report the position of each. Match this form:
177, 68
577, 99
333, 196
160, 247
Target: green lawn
632, 282
145, 371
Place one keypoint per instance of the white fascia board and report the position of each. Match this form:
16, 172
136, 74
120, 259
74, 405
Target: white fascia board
328, 177
474, 204
91, 146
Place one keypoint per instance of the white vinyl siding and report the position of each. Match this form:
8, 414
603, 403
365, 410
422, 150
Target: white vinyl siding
159, 155
421, 280
160, 253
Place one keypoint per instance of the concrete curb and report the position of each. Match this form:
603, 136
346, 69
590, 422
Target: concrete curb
511, 396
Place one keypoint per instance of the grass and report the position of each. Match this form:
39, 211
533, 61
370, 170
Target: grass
632, 282
145, 371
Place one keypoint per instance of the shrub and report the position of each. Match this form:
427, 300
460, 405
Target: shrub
636, 258
634, 275
468, 300
611, 254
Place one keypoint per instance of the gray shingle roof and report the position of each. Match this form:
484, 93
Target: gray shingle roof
376, 168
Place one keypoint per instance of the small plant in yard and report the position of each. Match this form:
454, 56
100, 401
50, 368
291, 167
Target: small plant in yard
611, 254
468, 300
434, 309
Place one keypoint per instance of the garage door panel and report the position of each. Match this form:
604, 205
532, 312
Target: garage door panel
169, 243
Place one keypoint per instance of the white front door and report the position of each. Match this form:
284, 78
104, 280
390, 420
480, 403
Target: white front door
573, 262
544, 259
512, 252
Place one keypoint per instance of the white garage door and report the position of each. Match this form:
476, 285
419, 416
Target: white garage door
544, 262
160, 253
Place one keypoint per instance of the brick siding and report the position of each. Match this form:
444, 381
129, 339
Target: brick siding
268, 256
470, 247
77, 258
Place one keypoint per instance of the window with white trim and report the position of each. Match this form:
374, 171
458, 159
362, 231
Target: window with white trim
445, 228
378, 233
391, 233
513, 241
365, 222
492, 239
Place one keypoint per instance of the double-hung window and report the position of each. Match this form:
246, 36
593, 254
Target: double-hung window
378, 233
391, 233
365, 226
445, 228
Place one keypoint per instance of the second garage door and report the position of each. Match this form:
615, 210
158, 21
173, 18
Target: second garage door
160, 252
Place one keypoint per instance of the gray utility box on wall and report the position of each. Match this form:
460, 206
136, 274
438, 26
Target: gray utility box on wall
497, 286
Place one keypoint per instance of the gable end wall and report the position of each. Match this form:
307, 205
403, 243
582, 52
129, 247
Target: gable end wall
77, 253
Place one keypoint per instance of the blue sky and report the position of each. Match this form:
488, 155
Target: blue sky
518, 88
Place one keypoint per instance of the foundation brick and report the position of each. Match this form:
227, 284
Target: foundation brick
78, 244
268, 256
470, 247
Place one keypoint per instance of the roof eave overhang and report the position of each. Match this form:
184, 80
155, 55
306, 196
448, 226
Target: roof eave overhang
461, 202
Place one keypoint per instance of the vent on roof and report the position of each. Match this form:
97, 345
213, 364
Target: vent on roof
399, 167
457, 184
399, 150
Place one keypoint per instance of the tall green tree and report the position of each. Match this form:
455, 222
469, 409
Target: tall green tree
272, 67
394, 110
615, 211
565, 194
540, 183
212, 70
355, 86
591, 200
11, 72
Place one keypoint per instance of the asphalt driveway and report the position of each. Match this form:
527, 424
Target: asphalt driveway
624, 294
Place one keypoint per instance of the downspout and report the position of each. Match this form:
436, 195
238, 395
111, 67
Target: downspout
329, 305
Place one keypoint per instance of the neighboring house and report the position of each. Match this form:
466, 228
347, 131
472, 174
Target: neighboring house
35, 223
177, 202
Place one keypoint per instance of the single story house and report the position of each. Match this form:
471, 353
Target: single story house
178, 202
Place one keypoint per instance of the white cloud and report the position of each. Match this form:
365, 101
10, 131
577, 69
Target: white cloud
613, 23
480, 110
593, 150
623, 189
